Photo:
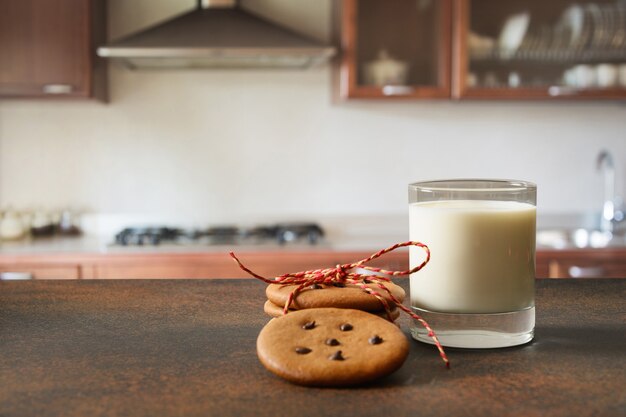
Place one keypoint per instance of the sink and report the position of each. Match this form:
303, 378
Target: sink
605, 232
579, 238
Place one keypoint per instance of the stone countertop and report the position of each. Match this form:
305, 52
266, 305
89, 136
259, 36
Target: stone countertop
187, 347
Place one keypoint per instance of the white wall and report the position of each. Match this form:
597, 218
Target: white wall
223, 146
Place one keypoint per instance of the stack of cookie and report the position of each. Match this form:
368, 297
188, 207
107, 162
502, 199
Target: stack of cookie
338, 295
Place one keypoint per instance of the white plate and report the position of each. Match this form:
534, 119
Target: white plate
573, 20
513, 33
598, 25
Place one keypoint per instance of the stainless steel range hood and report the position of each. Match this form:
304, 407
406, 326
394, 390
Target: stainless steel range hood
220, 35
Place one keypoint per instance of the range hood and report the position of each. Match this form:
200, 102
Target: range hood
220, 35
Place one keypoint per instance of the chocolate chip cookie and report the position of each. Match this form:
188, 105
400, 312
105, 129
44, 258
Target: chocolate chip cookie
331, 347
338, 295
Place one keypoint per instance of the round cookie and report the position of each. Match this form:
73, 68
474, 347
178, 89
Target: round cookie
331, 347
273, 310
350, 296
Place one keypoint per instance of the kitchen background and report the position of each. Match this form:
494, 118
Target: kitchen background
244, 146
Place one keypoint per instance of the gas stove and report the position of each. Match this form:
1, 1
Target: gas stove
281, 233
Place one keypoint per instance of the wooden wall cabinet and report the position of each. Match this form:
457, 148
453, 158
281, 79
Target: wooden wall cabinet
533, 49
47, 48
485, 49
398, 48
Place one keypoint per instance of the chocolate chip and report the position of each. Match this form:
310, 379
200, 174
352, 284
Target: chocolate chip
339, 284
308, 326
375, 340
332, 342
336, 356
346, 327
300, 350
315, 287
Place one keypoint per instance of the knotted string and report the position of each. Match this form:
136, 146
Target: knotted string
342, 274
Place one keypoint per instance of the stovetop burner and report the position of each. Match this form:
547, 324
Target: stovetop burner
281, 233
140, 236
291, 232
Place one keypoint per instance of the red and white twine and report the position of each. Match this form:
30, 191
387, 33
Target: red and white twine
342, 274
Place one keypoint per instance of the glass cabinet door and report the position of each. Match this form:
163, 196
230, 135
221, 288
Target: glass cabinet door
395, 48
540, 49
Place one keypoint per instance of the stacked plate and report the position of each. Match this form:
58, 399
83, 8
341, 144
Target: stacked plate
582, 28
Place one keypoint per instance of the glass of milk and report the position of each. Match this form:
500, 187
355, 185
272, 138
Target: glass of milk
478, 290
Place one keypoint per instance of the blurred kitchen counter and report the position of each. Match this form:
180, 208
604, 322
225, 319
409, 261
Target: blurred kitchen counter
90, 257
94, 258
83, 245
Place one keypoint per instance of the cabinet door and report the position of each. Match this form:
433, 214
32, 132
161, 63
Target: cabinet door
395, 48
45, 48
268, 264
39, 271
582, 263
586, 269
539, 49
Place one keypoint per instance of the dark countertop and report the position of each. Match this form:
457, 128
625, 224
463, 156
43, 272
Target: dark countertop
187, 348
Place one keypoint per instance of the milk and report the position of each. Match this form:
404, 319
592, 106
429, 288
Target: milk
483, 256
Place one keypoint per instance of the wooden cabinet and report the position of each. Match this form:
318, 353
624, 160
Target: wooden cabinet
484, 49
184, 265
47, 48
522, 49
592, 263
213, 265
582, 263
398, 48
39, 271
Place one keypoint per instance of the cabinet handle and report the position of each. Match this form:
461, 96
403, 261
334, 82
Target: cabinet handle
397, 90
13, 276
586, 271
57, 89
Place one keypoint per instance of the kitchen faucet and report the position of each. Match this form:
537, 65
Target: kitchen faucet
610, 214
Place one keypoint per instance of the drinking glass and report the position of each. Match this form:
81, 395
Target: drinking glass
478, 290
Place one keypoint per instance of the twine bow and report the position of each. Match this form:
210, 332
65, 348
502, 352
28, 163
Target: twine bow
342, 274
